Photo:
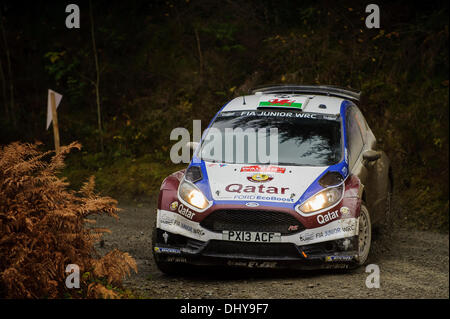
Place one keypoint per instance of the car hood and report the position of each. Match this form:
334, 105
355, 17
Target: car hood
269, 183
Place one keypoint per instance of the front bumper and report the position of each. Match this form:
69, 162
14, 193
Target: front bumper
334, 254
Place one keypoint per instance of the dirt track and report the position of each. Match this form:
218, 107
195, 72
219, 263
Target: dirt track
412, 264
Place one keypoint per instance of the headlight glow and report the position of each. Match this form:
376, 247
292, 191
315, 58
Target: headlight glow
189, 193
197, 199
324, 199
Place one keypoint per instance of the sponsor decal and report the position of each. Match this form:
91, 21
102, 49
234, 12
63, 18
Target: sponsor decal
348, 228
335, 266
263, 169
253, 264
262, 189
225, 114
323, 219
186, 212
334, 230
252, 204
329, 232
263, 198
293, 228
307, 236
166, 220
176, 259
174, 205
344, 170
345, 211
260, 178
348, 225
286, 114
165, 250
196, 231
165, 236
339, 258
215, 164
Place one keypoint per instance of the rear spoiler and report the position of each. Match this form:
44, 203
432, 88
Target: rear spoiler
329, 90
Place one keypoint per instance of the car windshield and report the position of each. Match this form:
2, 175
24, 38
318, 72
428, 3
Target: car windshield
275, 137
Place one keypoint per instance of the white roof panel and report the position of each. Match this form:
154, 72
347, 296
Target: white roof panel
310, 103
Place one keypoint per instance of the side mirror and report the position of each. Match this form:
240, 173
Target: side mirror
370, 156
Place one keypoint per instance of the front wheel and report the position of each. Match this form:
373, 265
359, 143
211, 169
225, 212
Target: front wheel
364, 235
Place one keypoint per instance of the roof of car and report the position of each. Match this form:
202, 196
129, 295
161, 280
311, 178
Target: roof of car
315, 103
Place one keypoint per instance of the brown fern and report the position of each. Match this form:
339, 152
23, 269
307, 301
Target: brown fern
42, 228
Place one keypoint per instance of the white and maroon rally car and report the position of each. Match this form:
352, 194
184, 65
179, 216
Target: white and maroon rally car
313, 208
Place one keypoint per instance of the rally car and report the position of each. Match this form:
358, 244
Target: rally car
307, 201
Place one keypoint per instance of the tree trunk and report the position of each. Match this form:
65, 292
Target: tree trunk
8, 63
199, 49
97, 79
5, 102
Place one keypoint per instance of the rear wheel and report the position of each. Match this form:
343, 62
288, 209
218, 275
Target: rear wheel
389, 204
383, 227
364, 235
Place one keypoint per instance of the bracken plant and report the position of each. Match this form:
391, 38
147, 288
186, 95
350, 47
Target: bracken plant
44, 227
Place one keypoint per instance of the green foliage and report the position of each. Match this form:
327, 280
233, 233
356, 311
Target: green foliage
175, 62
224, 35
125, 177
403, 73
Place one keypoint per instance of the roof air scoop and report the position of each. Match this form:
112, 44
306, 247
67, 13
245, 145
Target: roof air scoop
330, 90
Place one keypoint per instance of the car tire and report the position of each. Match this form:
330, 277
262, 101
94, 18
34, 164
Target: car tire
364, 235
384, 227
166, 267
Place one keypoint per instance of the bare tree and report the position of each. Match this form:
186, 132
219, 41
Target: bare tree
8, 63
2, 78
199, 49
97, 78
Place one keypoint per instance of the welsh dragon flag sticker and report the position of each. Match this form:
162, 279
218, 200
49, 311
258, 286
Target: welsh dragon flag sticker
296, 102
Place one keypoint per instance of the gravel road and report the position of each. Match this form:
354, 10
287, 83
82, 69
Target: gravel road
412, 264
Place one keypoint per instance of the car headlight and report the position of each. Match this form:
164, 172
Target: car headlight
189, 193
323, 199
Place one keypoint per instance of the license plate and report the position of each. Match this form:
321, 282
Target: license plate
248, 236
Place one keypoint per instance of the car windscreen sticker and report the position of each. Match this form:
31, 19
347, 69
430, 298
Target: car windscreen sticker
290, 114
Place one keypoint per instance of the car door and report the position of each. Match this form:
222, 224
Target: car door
358, 141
